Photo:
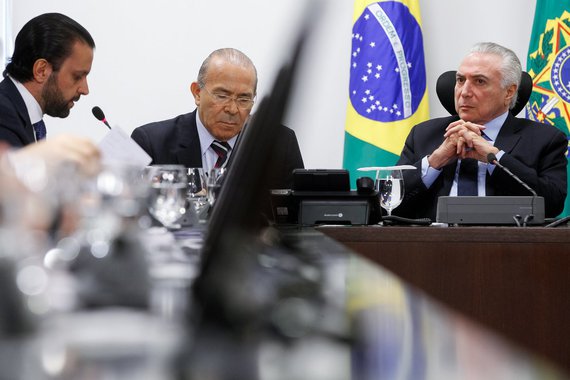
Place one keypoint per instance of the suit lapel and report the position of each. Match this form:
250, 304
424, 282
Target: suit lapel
507, 139
448, 170
509, 135
188, 151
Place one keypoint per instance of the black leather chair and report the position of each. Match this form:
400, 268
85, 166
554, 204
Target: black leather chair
445, 87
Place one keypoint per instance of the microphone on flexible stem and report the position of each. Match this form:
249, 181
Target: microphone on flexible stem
99, 115
492, 159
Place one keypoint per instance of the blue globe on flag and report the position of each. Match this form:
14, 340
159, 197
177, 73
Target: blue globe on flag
387, 79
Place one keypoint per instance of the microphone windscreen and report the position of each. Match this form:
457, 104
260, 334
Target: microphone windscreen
491, 158
365, 185
98, 113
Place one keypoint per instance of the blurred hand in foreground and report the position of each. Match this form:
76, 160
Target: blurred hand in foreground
65, 148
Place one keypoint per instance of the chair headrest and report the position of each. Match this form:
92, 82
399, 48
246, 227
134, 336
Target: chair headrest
445, 88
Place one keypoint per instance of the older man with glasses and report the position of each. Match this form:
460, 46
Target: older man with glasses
224, 94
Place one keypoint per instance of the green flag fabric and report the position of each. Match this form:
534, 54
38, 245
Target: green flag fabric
387, 90
549, 66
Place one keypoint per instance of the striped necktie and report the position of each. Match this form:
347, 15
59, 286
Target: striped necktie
40, 130
221, 148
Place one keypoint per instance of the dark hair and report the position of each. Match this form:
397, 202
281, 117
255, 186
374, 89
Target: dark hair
50, 36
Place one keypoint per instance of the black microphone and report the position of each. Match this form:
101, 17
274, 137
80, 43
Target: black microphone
492, 159
99, 115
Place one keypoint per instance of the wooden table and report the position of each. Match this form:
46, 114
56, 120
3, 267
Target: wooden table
514, 280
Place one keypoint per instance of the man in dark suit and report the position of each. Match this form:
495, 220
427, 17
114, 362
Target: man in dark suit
442, 149
46, 75
224, 94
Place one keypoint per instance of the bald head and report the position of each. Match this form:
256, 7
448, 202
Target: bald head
227, 55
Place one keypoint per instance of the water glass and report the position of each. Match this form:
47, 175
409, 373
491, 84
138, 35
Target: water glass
168, 188
390, 187
197, 195
215, 179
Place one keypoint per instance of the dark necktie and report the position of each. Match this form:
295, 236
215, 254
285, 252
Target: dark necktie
468, 172
467, 181
221, 148
40, 129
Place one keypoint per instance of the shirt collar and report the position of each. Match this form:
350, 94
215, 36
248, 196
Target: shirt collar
34, 110
494, 126
206, 138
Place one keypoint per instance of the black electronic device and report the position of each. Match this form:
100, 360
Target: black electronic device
496, 210
519, 210
322, 211
310, 208
321, 180
323, 196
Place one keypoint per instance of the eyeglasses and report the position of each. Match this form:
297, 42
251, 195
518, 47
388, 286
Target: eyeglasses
242, 102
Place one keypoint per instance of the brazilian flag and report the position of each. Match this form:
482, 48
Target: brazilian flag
387, 90
549, 66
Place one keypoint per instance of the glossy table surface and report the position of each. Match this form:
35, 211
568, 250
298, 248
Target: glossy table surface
314, 311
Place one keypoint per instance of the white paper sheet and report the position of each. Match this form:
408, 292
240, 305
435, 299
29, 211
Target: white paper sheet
118, 147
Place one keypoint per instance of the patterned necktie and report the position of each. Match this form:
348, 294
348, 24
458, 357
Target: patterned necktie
40, 129
467, 181
221, 149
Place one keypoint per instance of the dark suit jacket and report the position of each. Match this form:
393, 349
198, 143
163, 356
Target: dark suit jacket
15, 125
534, 152
176, 141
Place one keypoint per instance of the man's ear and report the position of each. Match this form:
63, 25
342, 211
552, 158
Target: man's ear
511, 91
196, 92
41, 70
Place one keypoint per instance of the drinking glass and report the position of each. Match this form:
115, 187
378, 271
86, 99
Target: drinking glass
390, 187
215, 179
110, 203
198, 194
168, 187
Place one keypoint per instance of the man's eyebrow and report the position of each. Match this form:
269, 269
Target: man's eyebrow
226, 91
475, 76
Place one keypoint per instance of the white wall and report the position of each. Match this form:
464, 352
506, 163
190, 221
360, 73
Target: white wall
148, 53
